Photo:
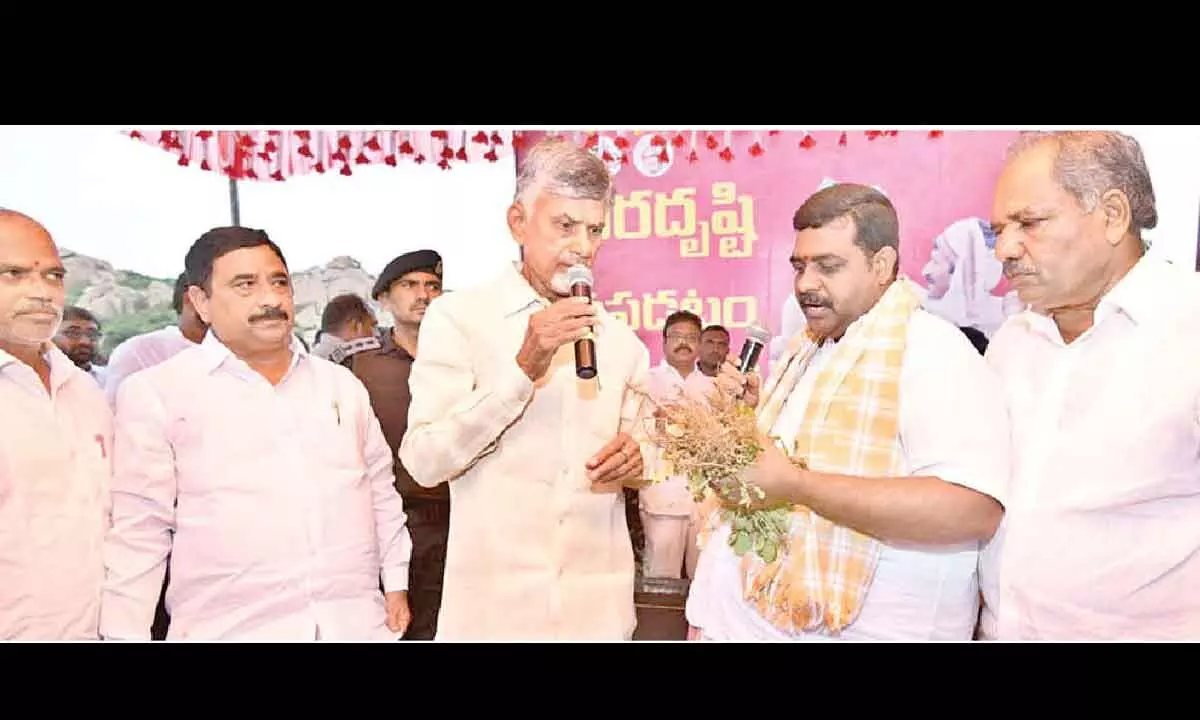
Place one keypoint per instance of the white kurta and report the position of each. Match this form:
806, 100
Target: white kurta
534, 553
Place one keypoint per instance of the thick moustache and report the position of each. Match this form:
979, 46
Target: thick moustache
280, 315
812, 301
1012, 270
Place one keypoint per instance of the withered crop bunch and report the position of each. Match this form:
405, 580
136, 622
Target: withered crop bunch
711, 443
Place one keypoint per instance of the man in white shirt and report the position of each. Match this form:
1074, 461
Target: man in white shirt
667, 507
259, 469
1101, 540
148, 349
55, 452
904, 432
79, 339
536, 458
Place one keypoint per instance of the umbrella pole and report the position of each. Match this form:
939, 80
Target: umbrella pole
234, 206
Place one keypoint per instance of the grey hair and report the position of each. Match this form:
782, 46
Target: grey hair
1088, 164
559, 166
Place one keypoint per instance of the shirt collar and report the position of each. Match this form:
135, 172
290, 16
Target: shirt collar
6, 360
62, 368
1139, 294
666, 366
388, 344
1142, 295
216, 353
516, 295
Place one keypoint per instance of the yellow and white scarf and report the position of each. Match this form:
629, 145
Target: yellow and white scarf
851, 427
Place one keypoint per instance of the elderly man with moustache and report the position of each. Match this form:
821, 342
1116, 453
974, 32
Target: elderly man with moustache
1101, 539
259, 469
535, 457
55, 452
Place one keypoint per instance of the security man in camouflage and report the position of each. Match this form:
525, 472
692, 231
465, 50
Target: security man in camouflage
405, 288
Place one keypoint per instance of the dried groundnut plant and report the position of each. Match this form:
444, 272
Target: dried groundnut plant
711, 442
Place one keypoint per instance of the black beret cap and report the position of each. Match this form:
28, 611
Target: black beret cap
424, 260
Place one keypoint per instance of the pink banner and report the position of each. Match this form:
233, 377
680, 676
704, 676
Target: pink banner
703, 222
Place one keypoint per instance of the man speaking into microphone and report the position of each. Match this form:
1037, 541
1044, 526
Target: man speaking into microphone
534, 446
903, 435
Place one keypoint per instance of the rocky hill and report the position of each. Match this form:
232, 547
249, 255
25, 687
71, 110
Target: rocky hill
129, 303
316, 286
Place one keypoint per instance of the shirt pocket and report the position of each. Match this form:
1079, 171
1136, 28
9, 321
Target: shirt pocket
94, 466
331, 441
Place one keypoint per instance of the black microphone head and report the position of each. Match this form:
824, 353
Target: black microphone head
579, 275
758, 334
756, 339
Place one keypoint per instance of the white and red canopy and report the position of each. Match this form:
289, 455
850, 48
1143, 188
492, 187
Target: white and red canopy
280, 154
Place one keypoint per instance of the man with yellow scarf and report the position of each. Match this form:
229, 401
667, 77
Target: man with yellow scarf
904, 432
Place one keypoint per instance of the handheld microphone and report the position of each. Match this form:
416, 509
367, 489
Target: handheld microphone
579, 278
756, 339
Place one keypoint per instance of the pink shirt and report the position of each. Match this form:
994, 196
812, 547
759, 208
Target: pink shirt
286, 517
55, 470
140, 352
